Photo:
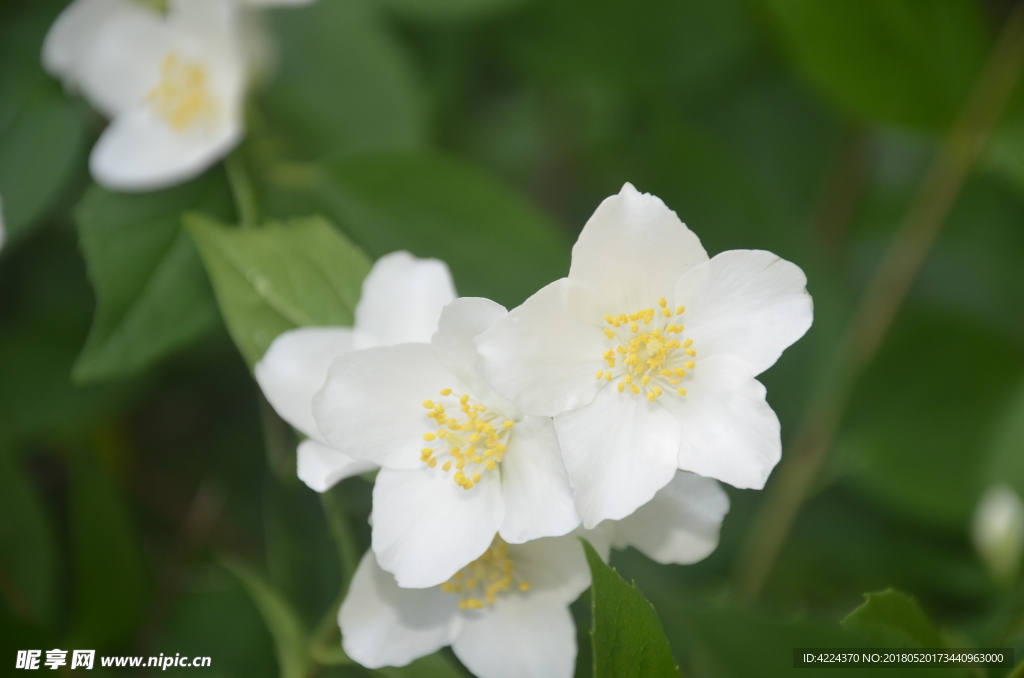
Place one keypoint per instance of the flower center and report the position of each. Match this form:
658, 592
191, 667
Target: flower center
480, 582
649, 356
182, 98
466, 435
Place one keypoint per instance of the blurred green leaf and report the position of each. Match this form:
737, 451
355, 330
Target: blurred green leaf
498, 245
627, 637
281, 620
42, 133
893, 619
1007, 461
279, 277
111, 582
917, 426
151, 294
909, 62
27, 541
344, 84
448, 10
433, 666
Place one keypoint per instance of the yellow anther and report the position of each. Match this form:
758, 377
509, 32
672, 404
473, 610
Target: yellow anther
477, 477
609, 333
447, 466
665, 373
635, 389
429, 404
645, 380
600, 374
491, 465
446, 391
509, 424
463, 399
690, 364
663, 302
681, 391
633, 327
608, 376
622, 387
432, 463
628, 379
679, 372
680, 310
690, 352
674, 382
666, 312
651, 396
429, 436
609, 319
688, 343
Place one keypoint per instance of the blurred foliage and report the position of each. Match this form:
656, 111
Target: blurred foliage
133, 460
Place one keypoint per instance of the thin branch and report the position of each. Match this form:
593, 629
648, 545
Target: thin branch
878, 307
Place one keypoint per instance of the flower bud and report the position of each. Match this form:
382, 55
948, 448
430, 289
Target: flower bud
998, 532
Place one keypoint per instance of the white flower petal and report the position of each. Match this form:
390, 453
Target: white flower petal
402, 300
461, 322
632, 251
746, 303
619, 451
554, 566
72, 36
371, 405
384, 625
140, 152
535, 485
322, 467
680, 525
522, 636
729, 431
426, 527
541, 357
295, 367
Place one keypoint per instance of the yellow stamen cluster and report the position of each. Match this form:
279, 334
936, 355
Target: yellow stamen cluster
650, 356
468, 434
182, 97
480, 582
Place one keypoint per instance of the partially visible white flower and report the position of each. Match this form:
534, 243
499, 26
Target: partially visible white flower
401, 302
459, 463
681, 525
611, 352
505, 615
998, 532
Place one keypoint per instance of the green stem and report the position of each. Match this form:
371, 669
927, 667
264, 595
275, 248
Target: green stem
242, 190
878, 306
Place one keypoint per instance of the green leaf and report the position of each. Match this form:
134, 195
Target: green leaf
893, 619
42, 133
111, 582
281, 620
432, 666
344, 84
627, 636
27, 541
151, 294
448, 10
909, 62
281, 276
1006, 464
498, 245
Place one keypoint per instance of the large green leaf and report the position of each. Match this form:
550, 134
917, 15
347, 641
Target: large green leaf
279, 277
893, 619
42, 133
27, 542
627, 636
433, 666
448, 10
910, 62
111, 582
281, 620
498, 245
151, 294
344, 83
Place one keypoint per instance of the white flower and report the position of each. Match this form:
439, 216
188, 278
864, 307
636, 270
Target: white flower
680, 525
505, 615
172, 84
998, 532
611, 352
401, 302
459, 463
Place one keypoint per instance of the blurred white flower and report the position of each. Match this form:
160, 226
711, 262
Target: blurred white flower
505, 615
998, 532
172, 84
680, 525
606, 353
459, 463
401, 302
